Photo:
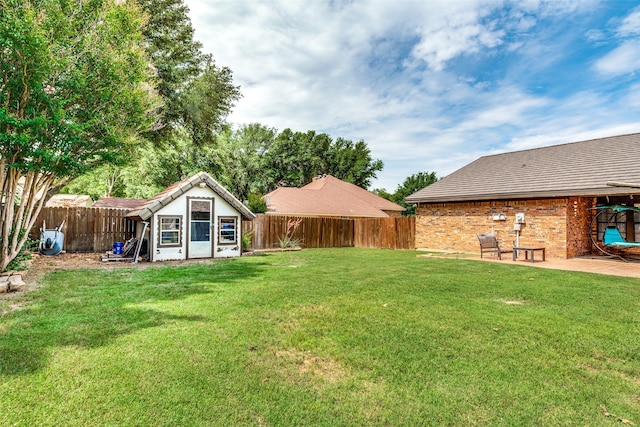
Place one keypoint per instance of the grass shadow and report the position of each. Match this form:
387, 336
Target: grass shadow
91, 308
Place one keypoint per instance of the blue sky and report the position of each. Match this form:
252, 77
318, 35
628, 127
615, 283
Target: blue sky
431, 85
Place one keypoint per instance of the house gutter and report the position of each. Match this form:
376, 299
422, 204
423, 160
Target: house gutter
594, 192
622, 184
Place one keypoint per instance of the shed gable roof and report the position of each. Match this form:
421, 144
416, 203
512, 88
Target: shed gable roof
171, 193
329, 196
574, 169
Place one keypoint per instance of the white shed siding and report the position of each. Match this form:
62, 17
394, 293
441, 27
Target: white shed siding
179, 207
224, 209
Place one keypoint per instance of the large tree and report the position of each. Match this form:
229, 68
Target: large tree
197, 95
410, 185
75, 92
296, 157
353, 162
241, 159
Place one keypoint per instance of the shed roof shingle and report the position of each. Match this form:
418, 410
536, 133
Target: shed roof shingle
162, 199
574, 169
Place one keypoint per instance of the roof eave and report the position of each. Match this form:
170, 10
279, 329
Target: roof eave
593, 192
228, 197
148, 211
323, 215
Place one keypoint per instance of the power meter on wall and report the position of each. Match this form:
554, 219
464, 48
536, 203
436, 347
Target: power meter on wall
520, 218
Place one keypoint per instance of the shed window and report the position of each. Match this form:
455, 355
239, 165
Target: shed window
170, 227
227, 230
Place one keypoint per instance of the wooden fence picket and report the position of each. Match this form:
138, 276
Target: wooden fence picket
87, 229
96, 229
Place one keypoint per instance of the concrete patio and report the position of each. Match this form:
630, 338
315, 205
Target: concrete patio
593, 264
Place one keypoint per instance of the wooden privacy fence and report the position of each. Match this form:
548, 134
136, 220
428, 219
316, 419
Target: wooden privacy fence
315, 232
95, 230
386, 233
87, 229
311, 232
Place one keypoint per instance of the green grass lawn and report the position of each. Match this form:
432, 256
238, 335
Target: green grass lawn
324, 337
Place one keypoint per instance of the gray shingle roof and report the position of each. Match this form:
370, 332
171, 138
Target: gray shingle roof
162, 199
575, 169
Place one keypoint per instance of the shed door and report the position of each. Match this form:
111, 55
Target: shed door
200, 214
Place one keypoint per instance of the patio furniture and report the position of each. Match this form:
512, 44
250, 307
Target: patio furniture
613, 244
529, 253
612, 237
489, 243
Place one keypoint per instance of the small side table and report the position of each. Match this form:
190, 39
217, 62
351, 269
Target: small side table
528, 253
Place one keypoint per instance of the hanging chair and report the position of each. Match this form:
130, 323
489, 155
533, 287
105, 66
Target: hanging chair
612, 243
612, 237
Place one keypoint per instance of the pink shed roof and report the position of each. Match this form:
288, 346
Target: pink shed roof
329, 196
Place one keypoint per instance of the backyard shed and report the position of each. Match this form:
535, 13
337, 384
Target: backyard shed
193, 218
543, 197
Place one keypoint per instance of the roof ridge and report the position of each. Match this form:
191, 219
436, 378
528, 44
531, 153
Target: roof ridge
559, 145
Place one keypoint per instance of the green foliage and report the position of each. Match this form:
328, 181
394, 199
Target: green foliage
353, 163
104, 181
197, 95
322, 337
246, 240
76, 92
74, 84
255, 159
381, 192
257, 204
206, 102
289, 240
409, 186
19, 263
175, 55
240, 156
296, 157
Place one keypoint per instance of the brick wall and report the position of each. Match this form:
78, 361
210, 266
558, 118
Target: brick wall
580, 213
453, 226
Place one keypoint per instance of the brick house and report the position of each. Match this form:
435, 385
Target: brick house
555, 187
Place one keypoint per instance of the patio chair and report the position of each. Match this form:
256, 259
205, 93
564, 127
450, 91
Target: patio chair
489, 243
612, 237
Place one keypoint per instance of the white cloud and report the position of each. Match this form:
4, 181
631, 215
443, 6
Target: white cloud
625, 58
630, 25
383, 71
622, 60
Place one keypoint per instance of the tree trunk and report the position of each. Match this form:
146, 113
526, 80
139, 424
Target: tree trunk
24, 196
